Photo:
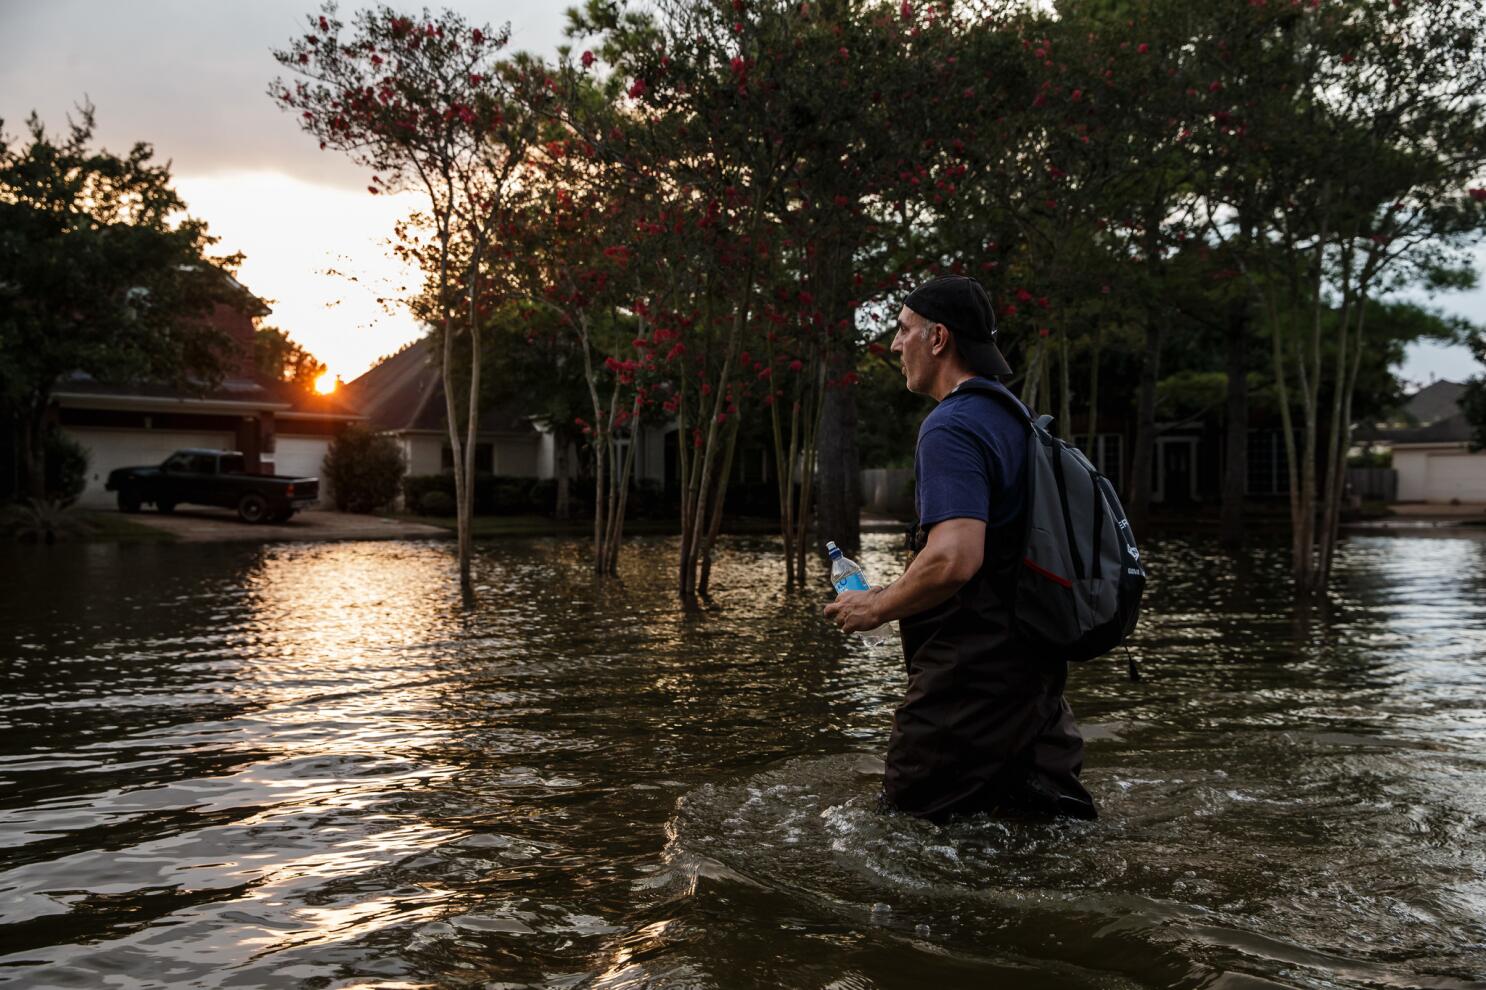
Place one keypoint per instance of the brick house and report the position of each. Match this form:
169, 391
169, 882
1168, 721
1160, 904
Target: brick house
278, 428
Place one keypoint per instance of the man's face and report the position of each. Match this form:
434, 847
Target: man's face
914, 343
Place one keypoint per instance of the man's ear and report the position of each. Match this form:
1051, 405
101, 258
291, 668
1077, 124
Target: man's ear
941, 340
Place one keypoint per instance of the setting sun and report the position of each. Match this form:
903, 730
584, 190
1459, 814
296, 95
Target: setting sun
326, 383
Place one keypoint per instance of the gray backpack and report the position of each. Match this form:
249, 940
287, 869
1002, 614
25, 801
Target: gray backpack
1080, 580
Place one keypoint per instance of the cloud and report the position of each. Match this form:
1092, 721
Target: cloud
319, 254
190, 77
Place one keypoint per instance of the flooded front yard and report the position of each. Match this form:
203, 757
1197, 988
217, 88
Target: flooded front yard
304, 765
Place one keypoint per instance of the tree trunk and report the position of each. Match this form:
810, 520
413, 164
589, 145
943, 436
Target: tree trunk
714, 527
806, 493
1346, 387
1236, 466
838, 501
1032, 377
451, 415
563, 508
600, 495
1145, 427
467, 502
1065, 390
616, 523
1093, 427
33, 451
684, 470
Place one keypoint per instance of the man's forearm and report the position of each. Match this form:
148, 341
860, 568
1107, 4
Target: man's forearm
930, 580
952, 556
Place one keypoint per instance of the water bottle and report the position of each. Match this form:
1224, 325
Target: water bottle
847, 575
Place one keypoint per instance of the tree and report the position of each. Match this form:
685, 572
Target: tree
581, 258
1350, 136
1473, 400
281, 359
100, 273
426, 105
707, 184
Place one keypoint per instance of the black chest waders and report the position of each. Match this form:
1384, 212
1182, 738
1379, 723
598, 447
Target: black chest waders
983, 727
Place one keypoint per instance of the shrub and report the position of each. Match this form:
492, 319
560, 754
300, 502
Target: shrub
66, 468
647, 500
511, 496
436, 503
416, 486
36, 521
364, 470
495, 495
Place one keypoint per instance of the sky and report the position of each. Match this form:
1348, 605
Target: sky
190, 77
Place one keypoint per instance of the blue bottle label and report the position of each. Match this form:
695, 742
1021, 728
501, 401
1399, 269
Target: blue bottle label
852, 582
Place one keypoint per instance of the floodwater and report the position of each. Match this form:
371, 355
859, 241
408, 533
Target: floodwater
305, 766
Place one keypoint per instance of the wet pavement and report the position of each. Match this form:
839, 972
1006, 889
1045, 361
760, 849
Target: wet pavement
205, 525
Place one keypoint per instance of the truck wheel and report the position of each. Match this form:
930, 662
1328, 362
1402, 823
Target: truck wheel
252, 508
128, 501
166, 507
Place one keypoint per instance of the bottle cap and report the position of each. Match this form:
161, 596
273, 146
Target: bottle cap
833, 550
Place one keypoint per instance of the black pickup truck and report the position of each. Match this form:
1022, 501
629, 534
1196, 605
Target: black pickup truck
212, 477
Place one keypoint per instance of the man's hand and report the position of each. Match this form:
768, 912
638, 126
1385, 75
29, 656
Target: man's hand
854, 611
953, 555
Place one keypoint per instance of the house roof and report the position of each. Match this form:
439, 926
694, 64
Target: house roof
1436, 411
256, 393
404, 393
1434, 402
1451, 429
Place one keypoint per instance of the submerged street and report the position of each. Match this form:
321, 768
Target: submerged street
304, 765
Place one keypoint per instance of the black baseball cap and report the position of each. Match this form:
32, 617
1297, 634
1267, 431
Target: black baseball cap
963, 305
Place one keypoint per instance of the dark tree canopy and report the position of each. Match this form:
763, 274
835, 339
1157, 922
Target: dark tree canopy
101, 272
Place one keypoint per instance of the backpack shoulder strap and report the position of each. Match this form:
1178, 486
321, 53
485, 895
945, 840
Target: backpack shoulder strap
1003, 395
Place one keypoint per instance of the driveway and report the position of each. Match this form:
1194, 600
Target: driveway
199, 525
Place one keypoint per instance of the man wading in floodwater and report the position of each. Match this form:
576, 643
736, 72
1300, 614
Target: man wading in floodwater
983, 726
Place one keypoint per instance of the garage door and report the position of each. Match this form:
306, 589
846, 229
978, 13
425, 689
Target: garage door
1459, 477
302, 457
109, 449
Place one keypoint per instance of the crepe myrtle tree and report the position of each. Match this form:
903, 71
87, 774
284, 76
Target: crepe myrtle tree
586, 250
425, 103
880, 142
101, 272
672, 117
805, 141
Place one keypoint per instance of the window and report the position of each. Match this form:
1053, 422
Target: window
484, 458
1268, 472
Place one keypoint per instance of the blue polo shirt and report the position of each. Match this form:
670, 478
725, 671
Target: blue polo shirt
971, 461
